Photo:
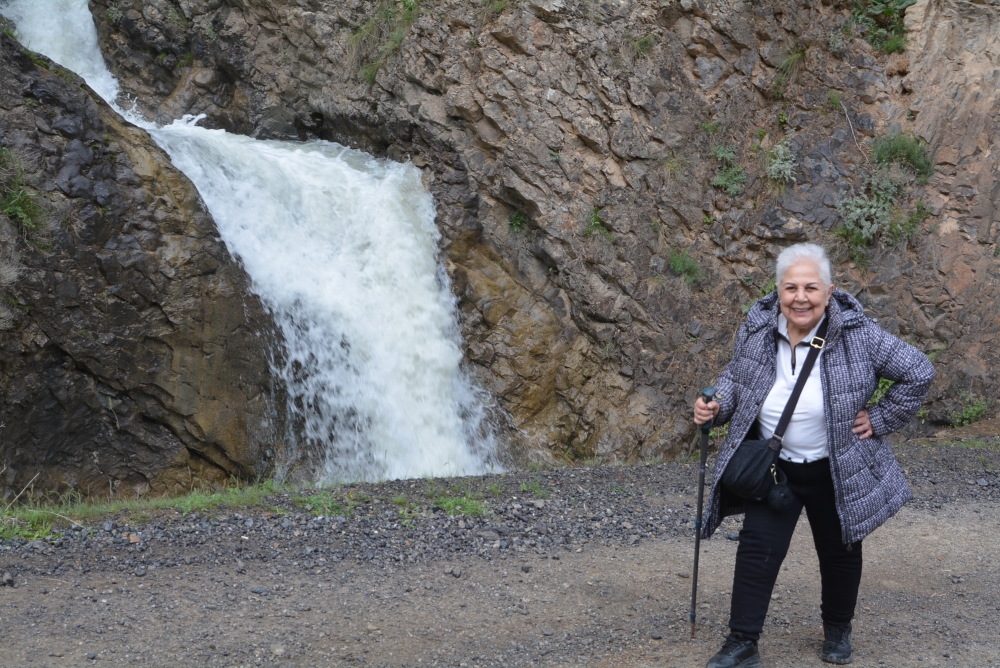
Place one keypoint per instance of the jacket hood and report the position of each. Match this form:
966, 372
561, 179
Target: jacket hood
844, 311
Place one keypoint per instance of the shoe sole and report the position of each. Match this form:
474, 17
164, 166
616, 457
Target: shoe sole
842, 662
752, 662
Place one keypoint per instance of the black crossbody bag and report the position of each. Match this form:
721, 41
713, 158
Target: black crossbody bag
753, 471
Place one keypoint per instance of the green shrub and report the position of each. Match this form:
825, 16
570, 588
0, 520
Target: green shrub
868, 216
517, 221
731, 180
724, 153
597, 226
972, 411
682, 264
781, 163
906, 150
882, 23
113, 14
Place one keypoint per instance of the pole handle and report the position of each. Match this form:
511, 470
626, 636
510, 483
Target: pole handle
707, 395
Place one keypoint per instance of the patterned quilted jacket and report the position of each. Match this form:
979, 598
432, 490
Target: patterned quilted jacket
869, 484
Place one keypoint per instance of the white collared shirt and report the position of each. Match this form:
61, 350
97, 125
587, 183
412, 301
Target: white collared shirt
805, 438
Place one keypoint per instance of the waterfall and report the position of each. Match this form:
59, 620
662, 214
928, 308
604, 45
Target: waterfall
341, 248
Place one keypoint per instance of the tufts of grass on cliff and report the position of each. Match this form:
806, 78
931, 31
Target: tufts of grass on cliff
381, 35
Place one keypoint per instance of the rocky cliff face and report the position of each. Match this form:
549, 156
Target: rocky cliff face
134, 359
570, 147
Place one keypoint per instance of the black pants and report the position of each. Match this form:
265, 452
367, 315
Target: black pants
764, 542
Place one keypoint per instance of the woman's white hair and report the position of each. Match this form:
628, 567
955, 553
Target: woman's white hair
808, 252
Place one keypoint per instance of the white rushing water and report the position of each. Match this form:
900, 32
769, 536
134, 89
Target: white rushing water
341, 247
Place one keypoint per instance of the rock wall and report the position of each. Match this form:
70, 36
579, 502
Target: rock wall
596, 122
136, 360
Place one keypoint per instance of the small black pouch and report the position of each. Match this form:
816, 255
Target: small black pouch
781, 496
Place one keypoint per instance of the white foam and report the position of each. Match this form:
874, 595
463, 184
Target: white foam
341, 248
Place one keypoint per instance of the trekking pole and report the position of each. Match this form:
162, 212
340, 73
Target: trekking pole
707, 395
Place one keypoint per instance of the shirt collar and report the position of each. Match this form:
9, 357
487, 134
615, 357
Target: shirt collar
783, 328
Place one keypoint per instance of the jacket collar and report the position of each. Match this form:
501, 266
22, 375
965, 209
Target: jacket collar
843, 312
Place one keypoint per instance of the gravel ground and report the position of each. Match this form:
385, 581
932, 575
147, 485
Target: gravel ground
574, 566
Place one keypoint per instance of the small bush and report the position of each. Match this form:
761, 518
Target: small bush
882, 23
731, 180
781, 163
868, 215
906, 150
724, 154
187, 60
517, 222
597, 226
837, 42
682, 264
972, 411
113, 14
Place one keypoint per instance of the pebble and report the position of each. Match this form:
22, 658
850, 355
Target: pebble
139, 571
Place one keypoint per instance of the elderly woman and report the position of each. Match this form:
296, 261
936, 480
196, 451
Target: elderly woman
834, 453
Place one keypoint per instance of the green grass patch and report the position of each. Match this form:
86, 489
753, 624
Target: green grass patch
535, 488
711, 127
37, 517
461, 505
684, 264
906, 150
597, 226
883, 386
641, 46
323, 502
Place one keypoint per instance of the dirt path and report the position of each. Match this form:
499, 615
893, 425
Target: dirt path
597, 575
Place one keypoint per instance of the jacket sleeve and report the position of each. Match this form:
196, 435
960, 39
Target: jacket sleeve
726, 386
911, 372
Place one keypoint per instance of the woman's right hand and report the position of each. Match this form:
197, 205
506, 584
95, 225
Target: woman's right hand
705, 412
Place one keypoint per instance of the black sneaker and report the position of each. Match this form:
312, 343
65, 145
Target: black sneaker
736, 653
837, 644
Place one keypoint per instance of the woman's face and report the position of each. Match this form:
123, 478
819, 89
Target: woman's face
803, 295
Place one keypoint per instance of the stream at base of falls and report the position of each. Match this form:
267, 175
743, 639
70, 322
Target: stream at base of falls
341, 248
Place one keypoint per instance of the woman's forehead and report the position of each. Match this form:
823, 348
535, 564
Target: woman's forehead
802, 272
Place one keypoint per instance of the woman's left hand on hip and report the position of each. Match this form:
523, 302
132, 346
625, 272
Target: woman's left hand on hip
862, 425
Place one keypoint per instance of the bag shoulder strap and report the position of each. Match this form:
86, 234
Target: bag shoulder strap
816, 344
